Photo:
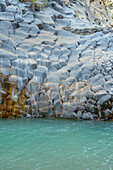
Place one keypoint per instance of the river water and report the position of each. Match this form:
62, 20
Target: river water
55, 144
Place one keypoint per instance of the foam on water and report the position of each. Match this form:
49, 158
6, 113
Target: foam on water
56, 144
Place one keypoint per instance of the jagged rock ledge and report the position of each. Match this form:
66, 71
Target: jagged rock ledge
47, 71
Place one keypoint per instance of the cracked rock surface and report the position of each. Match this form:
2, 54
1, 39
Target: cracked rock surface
53, 63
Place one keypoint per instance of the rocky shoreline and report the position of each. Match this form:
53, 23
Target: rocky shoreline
53, 63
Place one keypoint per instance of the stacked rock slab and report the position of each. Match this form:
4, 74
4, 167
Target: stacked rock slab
46, 69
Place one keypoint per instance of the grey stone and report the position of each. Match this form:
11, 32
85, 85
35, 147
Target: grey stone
47, 48
5, 71
86, 88
17, 80
71, 80
49, 28
21, 34
108, 84
77, 74
97, 88
72, 115
91, 101
87, 116
52, 69
48, 42
100, 94
45, 97
19, 63
57, 105
42, 56
90, 107
28, 115
101, 81
11, 8
67, 92
51, 85
28, 17
107, 112
5, 24
25, 80
56, 52
40, 72
72, 67
32, 87
24, 26
31, 63
4, 38
2, 6
8, 55
62, 62
15, 40
59, 8
63, 114
55, 96
18, 18
84, 77
80, 85
105, 31
37, 49
14, 2
8, 48
64, 57
37, 80
42, 62
53, 58
63, 33
6, 16
34, 30
57, 65
3, 31
47, 19
52, 79
38, 23
83, 100
63, 22
32, 55
79, 115
4, 62
104, 99
42, 104
97, 80
18, 72
45, 111
65, 98
89, 94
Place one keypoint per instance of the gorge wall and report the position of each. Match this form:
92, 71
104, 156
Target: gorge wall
55, 62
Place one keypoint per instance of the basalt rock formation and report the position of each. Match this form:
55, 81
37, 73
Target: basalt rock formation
55, 62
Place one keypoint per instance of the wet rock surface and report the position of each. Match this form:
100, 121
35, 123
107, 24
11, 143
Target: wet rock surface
53, 63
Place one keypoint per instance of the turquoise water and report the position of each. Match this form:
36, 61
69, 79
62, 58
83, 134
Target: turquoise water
47, 144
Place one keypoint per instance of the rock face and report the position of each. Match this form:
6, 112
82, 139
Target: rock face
53, 63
